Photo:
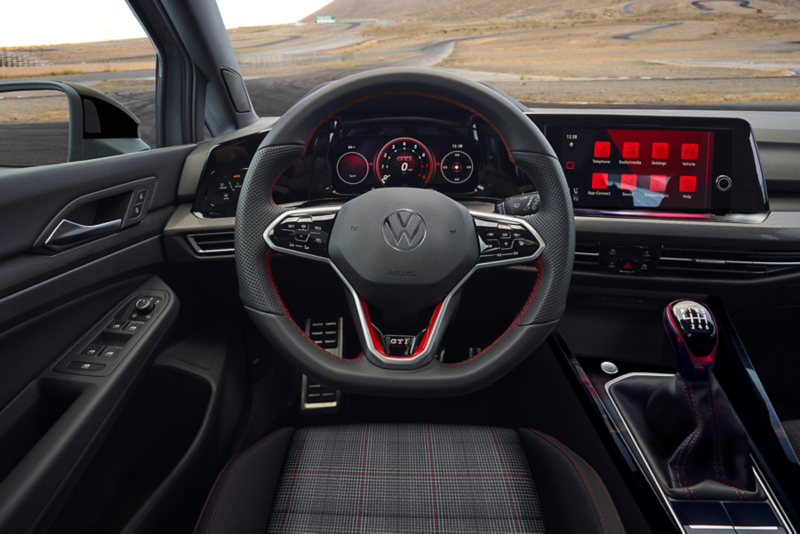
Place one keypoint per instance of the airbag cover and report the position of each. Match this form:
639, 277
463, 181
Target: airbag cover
403, 249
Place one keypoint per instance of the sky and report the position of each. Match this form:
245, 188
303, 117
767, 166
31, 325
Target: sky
45, 22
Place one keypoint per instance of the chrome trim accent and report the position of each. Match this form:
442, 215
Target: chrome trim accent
640, 459
587, 253
197, 248
437, 330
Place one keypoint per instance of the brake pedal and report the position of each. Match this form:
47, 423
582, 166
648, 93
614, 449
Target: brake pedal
328, 335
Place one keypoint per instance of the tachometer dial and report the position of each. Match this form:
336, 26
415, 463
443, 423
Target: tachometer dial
352, 168
457, 167
404, 161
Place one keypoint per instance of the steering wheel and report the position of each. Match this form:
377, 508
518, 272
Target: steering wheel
408, 251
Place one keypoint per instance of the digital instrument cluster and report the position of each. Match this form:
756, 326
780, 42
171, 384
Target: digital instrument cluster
444, 162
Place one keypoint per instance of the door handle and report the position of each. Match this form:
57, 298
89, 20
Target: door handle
68, 234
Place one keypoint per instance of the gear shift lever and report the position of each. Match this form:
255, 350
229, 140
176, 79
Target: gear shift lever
692, 330
707, 453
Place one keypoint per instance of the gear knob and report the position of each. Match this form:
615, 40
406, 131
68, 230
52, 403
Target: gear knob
692, 330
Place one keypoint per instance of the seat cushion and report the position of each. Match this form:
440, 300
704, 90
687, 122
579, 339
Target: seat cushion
793, 433
406, 478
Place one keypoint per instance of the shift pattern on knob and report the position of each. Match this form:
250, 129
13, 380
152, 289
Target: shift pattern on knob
692, 330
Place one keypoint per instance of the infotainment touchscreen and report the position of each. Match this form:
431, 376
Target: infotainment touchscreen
638, 169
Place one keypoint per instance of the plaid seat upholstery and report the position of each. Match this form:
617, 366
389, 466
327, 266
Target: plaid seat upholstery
793, 433
406, 478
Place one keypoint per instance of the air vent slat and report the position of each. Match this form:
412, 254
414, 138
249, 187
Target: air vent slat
688, 262
217, 243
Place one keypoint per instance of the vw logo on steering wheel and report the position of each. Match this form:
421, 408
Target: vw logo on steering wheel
404, 230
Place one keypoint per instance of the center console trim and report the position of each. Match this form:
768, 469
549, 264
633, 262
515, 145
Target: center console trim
640, 460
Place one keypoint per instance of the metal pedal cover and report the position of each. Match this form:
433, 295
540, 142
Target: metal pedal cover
329, 335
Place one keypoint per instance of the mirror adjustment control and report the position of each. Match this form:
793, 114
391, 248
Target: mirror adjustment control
144, 306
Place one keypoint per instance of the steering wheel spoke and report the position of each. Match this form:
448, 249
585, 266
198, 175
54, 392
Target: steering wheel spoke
506, 240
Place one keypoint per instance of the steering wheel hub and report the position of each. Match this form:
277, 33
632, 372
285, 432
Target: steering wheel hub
403, 250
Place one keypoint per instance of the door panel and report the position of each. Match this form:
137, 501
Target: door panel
53, 302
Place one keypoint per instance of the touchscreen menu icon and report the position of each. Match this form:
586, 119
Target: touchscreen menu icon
689, 151
660, 150
602, 149
658, 182
628, 182
688, 184
630, 150
599, 180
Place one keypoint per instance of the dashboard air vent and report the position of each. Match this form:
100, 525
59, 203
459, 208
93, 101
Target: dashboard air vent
587, 256
688, 262
212, 244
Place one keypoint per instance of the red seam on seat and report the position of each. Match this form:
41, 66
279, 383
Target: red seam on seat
793, 431
564, 450
285, 310
520, 313
226, 482
433, 482
363, 471
408, 475
508, 486
291, 487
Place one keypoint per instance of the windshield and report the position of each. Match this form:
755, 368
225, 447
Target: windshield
711, 54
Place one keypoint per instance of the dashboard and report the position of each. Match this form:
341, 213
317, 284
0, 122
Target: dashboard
634, 214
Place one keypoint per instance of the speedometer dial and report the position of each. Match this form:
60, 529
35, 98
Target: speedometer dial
404, 161
457, 167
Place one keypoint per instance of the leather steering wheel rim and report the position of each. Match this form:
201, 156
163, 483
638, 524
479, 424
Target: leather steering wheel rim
288, 141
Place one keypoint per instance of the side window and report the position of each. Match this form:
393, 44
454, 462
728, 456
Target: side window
34, 128
73, 88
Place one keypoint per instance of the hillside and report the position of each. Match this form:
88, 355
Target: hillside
446, 11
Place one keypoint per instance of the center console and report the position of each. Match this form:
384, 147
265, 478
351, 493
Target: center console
708, 452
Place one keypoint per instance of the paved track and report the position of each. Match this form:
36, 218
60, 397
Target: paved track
657, 28
701, 4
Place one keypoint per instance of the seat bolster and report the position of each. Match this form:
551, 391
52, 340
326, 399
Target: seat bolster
241, 498
573, 497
